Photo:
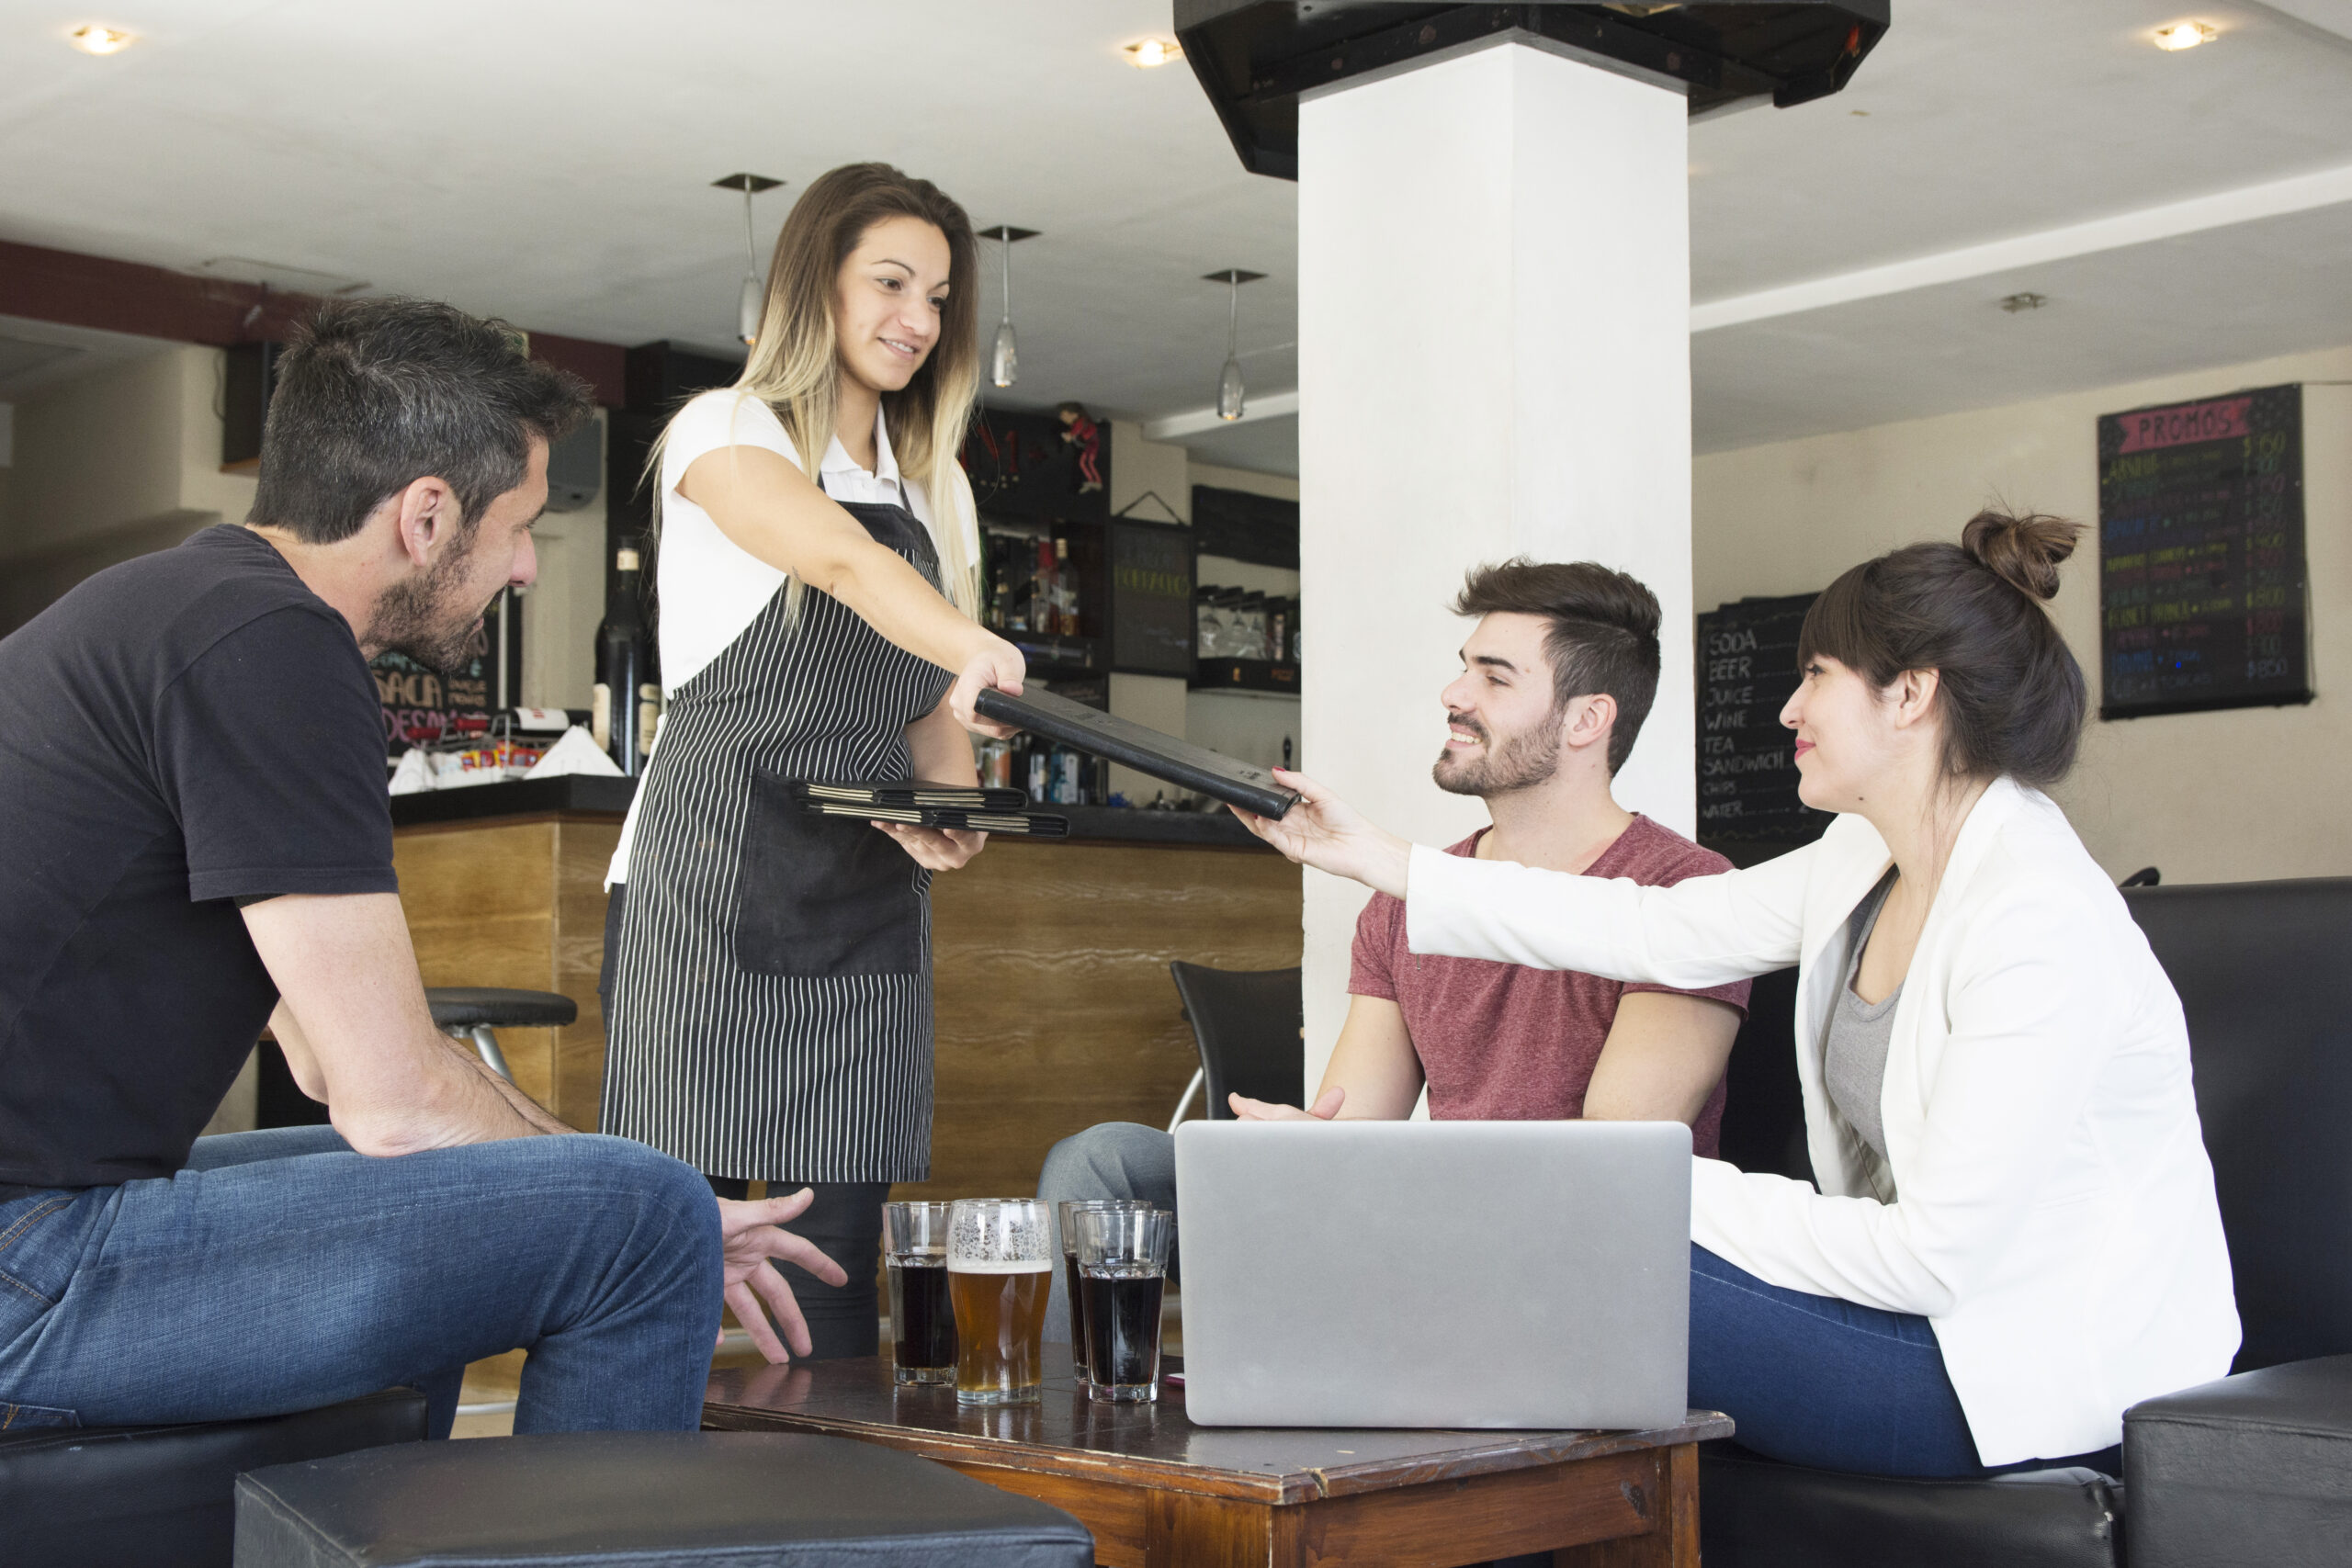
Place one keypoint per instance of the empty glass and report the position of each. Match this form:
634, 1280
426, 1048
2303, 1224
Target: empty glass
922, 1324
1123, 1268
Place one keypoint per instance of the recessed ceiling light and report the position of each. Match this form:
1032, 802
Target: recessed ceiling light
2013, 303
2186, 35
1153, 52
98, 39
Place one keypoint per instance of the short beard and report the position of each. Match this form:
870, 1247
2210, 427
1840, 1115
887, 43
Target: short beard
1520, 762
416, 618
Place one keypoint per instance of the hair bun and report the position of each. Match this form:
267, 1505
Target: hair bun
2023, 552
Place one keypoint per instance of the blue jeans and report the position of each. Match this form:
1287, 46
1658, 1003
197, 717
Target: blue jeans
281, 1272
1818, 1381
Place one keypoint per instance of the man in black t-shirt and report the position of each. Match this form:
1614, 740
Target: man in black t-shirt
195, 841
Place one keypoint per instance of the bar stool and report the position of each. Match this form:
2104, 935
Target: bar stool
474, 1013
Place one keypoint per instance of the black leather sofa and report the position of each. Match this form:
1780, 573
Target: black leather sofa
166, 1497
2253, 1469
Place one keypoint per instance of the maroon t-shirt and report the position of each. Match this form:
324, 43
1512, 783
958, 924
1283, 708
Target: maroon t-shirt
1502, 1042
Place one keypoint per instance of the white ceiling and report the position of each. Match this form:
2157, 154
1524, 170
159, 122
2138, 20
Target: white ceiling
551, 162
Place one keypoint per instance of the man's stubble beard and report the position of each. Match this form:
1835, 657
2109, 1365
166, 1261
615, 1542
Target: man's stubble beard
1519, 762
423, 617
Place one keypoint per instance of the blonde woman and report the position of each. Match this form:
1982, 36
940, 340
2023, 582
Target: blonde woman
768, 1012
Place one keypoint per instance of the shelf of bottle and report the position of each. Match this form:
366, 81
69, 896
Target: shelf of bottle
1245, 676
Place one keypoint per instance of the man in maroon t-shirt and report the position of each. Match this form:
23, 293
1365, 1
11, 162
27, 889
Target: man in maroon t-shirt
1557, 677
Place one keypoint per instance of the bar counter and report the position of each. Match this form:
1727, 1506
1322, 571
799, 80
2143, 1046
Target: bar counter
1050, 957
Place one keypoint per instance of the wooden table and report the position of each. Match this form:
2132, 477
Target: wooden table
1160, 1493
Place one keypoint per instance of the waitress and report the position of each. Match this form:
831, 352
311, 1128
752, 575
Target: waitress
768, 1012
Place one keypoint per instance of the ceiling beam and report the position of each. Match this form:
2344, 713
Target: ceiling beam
1195, 422
2197, 214
72, 289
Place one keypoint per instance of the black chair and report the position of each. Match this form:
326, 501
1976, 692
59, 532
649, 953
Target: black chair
476, 1012
674, 1498
1248, 1023
2264, 971
165, 1496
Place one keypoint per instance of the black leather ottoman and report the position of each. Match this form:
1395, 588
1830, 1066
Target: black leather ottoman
2253, 1469
1759, 1513
165, 1496
648, 1499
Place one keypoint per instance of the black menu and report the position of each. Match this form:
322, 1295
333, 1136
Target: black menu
1747, 773
2203, 580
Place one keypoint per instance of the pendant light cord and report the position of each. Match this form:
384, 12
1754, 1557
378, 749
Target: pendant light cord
1233, 318
751, 249
1004, 258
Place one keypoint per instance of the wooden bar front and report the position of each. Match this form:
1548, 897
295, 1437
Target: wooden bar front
1055, 1010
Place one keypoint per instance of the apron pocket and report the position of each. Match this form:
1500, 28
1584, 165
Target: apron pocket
822, 895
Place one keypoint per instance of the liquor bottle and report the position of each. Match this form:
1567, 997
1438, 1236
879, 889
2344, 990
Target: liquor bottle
1045, 615
1065, 592
624, 662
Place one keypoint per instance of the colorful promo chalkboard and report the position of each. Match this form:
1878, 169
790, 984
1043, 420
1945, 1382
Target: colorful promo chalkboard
1748, 771
2202, 600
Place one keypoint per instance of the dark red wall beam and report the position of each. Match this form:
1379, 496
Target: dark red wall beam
72, 289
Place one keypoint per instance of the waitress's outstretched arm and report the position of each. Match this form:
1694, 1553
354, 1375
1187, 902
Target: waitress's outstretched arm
769, 508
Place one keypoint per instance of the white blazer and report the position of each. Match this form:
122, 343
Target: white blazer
2054, 1216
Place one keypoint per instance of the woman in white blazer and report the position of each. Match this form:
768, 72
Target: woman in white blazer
2016, 1235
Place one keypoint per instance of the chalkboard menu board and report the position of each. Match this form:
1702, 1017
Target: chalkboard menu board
1151, 599
1747, 773
2202, 572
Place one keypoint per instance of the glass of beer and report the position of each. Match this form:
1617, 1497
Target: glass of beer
922, 1324
1066, 1210
1000, 1273
1123, 1267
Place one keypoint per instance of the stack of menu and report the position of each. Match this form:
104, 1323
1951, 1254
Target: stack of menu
922, 804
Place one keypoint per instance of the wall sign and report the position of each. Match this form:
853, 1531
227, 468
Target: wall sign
1151, 599
2203, 581
1747, 773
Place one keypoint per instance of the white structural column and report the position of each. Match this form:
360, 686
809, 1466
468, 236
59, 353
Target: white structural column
1494, 360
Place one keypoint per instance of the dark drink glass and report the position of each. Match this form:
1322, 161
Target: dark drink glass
1067, 1213
1123, 1268
1122, 1321
922, 1321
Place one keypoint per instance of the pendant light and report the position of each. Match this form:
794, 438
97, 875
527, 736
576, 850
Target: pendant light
1228, 381
1004, 360
751, 300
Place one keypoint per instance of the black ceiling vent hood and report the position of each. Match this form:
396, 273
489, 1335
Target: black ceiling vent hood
1255, 57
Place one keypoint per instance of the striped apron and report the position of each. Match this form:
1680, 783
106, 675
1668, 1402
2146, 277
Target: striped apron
770, 1017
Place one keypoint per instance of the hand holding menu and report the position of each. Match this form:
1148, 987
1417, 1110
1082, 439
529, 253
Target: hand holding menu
1145, 751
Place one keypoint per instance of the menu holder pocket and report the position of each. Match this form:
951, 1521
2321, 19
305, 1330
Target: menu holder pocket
820, 896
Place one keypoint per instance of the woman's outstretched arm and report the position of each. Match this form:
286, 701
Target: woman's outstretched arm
771, 510
1706, 930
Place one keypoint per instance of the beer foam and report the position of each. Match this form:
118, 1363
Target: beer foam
1000, 1266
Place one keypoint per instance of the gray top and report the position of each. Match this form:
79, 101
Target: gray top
1854, 1063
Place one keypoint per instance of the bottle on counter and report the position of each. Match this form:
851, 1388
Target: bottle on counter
1065, 592
624, 671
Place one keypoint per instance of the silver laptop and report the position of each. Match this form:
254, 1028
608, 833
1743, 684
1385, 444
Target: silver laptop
1531, 1274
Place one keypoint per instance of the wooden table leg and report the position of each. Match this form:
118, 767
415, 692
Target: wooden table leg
1674, 1543
1183, 1529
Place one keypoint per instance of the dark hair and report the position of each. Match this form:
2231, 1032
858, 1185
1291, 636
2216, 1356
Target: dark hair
1603, 637
376, 394
2011, 696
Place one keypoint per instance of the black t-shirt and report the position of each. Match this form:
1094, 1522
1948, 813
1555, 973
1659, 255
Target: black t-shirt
179, 732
